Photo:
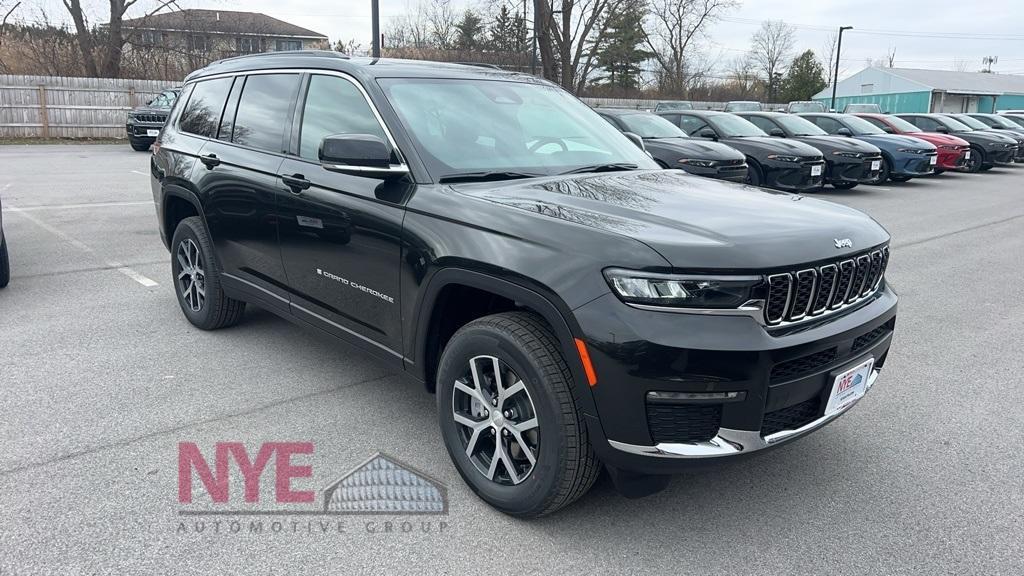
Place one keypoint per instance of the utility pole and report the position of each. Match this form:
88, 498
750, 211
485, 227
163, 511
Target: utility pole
375, 19
533, 49
839, 51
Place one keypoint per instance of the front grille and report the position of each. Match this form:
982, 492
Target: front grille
791, 369
865, 340
678, 423
791, 417
810, 292
737, 162
154, 118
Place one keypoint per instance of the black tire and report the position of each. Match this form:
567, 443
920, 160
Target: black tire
5, 265
566, 466
754, 176
139, 146
986, 167
900, 178
844, 185
975, 162
215, 310
883, 173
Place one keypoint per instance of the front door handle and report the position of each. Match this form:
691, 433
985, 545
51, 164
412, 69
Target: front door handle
297, 182
210, 160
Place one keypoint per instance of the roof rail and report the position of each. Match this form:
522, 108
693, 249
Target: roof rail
319, 53
481, 65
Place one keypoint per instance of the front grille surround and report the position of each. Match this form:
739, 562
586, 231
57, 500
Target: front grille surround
811, 292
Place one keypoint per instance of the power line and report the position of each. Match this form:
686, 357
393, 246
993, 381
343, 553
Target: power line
882, 32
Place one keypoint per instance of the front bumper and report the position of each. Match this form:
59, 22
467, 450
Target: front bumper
140, 131
794, 176
915, 165
778, 380
854, 170
1002, 154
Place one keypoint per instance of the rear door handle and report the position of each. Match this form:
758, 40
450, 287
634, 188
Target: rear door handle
210, 160
297, 182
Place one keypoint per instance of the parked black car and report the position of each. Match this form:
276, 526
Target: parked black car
672, 148
848, 162
772, 162
144, 122
570, 303
999, 122
992, 148
5, 262
975, 123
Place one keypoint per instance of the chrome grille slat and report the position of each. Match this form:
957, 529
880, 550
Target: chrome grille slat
811, 292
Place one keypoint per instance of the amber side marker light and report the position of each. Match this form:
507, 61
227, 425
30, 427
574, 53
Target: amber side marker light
581, 347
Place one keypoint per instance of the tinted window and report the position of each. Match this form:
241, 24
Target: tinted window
334, 106
227, 123
692, 124
263, 110
734, 127
651, 126
762, 123
164, 100
827, 124
799, 126
202, 115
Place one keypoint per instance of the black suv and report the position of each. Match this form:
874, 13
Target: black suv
572, 305
144, 122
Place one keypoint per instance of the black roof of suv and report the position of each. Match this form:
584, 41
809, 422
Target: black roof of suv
490, 236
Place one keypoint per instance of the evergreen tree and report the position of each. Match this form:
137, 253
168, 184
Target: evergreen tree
469, 31
508, 32
621, 53
804, 79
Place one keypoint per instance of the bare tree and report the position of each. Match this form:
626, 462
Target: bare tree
566, 44
442, 21
828, 56
743, 76
676, 25
961, 65
770, 48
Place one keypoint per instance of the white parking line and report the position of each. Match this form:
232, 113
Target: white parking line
127, 271
87, 205
139, 173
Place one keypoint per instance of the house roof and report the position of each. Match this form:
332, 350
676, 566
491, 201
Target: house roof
221, 22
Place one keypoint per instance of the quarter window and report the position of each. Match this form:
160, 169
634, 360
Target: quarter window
334, 106
263, 111
202, 115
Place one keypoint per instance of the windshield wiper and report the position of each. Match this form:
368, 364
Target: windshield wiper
486, 176
614, 167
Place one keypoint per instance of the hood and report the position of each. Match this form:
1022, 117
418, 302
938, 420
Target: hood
892, 141
840, 143
695, 223
938, 138
151, 110
702, 149
986, 136
771, 145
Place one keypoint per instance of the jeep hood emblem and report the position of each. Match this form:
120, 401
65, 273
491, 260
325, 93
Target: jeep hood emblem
844, 243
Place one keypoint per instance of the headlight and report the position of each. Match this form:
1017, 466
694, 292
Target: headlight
681, 291
948, 147
847, 154
783, 158
695, 162
913, 150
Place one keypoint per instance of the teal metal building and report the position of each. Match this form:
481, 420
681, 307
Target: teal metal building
898, 90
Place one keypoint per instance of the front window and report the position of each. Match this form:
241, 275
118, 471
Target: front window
729, 126
1001, 121
487, 126
798, 126
861, 127
972, 122
651, 126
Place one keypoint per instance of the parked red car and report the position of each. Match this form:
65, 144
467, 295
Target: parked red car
954, 153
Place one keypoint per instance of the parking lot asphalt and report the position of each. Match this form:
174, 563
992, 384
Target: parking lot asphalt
101, 377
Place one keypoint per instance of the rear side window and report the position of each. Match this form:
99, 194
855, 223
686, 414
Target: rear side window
334, 106
202, 114
263, 111
827, 124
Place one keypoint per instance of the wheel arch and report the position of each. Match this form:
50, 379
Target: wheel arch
178, 203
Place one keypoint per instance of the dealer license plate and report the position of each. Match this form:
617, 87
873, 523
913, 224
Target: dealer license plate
932, 160
849, 386
153, 133
876, 164
816, 170
967, 155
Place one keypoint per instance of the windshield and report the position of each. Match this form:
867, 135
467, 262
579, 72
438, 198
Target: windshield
798, 107
665, 106
861, 108
953, 124
464, 126
799, 126
902, 125
972, 122
164, 100
743, 107
651, 126
1002, 121
730, 126
860, 126
1018, 120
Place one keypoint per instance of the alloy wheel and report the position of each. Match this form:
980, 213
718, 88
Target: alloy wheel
496, 421
191, 276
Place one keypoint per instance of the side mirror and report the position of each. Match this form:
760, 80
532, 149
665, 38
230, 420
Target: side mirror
148, 102
707, 133
359, 155
636, 139
942, 130
844, 132
777, 132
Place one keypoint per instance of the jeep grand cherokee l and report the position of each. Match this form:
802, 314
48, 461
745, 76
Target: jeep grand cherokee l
570, 304
144, 122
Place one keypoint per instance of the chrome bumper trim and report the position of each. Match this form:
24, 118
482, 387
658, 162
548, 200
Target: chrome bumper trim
729, 442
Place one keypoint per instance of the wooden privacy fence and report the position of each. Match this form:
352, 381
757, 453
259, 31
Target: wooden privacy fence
61, 107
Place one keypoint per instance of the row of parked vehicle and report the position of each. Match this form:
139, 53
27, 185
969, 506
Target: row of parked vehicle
802, 152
